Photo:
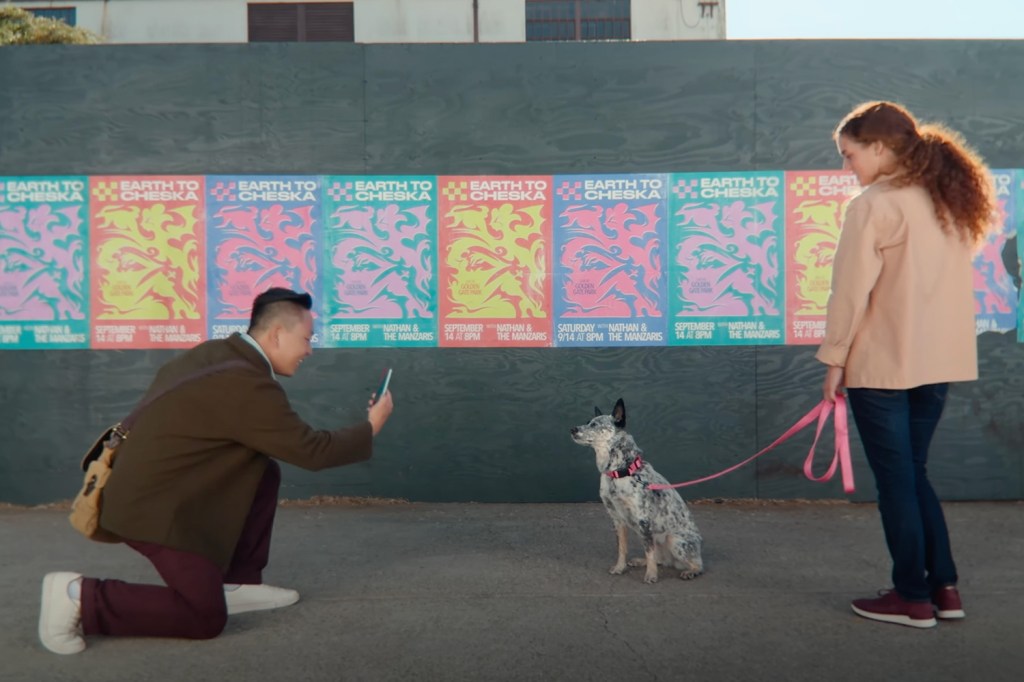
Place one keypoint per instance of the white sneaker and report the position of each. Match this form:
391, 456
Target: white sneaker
60, 616
246, 598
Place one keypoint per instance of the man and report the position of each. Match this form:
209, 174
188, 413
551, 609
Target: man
194, 487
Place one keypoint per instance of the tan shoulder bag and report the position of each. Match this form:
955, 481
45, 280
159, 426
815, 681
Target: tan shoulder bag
98, 462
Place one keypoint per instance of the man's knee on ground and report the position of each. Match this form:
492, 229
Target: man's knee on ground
209, 623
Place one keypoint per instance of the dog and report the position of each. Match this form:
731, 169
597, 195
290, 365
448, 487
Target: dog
660, 517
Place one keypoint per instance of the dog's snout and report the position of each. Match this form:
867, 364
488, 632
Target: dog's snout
574, 430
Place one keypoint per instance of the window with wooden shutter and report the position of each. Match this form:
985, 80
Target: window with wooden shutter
301, 22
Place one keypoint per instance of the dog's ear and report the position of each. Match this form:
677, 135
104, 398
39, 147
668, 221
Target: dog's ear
597, 411
619, 414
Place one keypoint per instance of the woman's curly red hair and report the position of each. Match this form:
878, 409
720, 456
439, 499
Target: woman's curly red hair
935, 157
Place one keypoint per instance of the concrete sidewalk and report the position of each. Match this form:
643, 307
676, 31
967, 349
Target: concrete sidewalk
521, 592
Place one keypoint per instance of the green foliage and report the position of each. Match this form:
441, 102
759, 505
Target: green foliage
18, 27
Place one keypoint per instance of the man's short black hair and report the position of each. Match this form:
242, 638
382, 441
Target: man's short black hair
263, 305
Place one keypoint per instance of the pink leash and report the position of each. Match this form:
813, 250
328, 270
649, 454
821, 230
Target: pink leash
841, 458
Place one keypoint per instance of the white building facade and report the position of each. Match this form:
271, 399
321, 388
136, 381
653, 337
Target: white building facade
389, 21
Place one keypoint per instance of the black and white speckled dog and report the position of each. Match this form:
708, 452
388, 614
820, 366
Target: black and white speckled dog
659, 517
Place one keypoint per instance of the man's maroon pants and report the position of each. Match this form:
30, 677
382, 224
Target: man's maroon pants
192, 604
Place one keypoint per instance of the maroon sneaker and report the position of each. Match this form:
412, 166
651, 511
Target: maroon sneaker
892, 608
947, 603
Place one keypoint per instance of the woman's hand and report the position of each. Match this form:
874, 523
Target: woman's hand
833, 384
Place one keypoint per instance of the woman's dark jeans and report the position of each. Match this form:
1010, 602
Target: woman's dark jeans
896, 427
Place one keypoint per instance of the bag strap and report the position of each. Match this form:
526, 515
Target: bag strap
124, 427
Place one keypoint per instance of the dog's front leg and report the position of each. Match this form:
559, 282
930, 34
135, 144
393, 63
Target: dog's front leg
650, 552
622, 531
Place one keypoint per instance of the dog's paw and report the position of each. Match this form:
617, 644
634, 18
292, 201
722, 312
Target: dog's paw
651, 578
637, 562
617, 569
689, 575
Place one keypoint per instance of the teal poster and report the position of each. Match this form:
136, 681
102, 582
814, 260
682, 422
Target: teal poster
726, 255
380, 261
44, 273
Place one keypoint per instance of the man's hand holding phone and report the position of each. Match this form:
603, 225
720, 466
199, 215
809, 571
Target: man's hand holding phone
380, 403
385, 381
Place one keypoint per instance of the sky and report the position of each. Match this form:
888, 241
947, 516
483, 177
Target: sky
800, 19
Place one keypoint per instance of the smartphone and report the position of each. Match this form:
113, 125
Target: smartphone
385, 380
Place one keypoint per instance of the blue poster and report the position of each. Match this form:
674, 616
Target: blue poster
262, 232
995, 296
610, 260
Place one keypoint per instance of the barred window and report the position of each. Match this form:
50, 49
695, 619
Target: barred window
301, 22
577, 19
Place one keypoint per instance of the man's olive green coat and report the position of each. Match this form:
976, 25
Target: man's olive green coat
186, 475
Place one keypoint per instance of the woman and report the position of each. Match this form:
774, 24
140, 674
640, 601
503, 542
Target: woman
901, 328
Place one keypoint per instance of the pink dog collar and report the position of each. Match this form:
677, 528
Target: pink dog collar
629, 470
